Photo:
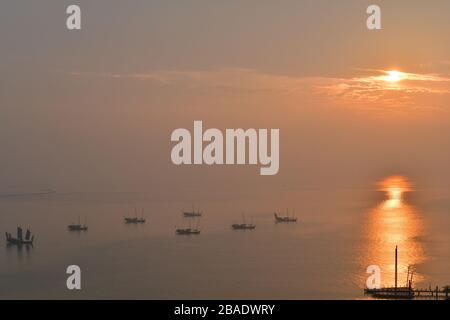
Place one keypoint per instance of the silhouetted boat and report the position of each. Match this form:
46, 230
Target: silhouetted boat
20, 240
192, 214
287, 218
391, 293
187, 231
77, 226
244, 225
396, 292
135, 219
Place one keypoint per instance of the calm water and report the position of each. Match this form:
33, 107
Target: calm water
323, 256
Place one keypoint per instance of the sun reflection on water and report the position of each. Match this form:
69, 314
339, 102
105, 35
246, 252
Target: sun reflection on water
394, 222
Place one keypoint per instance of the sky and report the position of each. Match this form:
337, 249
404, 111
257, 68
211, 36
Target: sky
93, 110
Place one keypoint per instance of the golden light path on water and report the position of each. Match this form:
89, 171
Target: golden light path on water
392, 223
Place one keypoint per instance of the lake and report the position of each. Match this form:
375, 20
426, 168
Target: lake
324, 255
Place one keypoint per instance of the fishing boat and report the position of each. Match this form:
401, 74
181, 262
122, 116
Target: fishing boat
192, 214
135, 219
391, 293
77, 226
187, 231
244, 225
286, 218
28, 240
396, 292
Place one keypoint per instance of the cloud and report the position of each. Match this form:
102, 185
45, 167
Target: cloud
378, 88
389, 89
237, 78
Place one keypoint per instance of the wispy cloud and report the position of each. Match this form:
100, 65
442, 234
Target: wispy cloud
388, 88
378, 87
237, 78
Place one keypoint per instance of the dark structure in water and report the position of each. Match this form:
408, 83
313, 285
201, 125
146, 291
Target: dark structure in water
407, 291
187, 231
135, 219
19, 240
243, 226
192, 214
280, 219
77, 226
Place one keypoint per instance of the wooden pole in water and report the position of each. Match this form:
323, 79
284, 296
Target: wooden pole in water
395, 267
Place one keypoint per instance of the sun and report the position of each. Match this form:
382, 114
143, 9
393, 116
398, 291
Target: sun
394, 76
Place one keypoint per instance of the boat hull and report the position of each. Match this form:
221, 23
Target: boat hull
134, 220
77, 228
243, 227
19, 242
187, 231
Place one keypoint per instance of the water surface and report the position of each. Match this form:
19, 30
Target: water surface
323, 256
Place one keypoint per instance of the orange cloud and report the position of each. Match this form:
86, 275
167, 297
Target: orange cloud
382, 88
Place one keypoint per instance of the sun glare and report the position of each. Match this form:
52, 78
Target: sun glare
394, 187
394, 76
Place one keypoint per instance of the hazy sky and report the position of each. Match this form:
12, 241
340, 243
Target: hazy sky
93, 109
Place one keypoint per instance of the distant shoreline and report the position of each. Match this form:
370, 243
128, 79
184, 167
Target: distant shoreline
24, 194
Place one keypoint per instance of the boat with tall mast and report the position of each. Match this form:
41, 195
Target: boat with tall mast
188, 231
285, 219
192, 214
20, 240
135, 219
78, 226
396, 292
243, 225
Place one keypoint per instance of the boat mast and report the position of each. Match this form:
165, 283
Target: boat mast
407, 276
395, 267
